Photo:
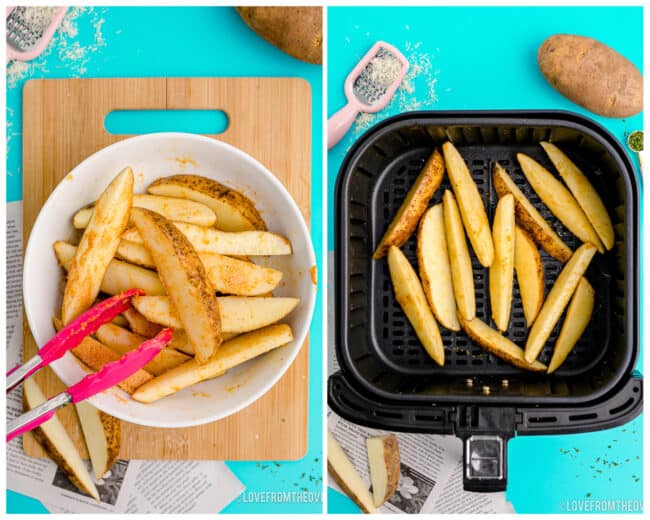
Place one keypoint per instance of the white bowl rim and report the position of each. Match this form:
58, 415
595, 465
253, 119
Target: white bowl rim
299, 335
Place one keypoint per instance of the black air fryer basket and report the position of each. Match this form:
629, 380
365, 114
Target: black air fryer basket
388, 381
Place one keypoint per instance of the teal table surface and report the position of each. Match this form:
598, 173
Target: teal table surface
206, 41
473, 58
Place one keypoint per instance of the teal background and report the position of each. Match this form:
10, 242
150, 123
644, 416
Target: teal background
209, 41
485, 58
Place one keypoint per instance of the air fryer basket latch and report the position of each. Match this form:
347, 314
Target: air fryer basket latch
485, 432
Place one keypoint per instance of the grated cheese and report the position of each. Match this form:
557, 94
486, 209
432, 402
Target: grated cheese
73, 56
38, 18
405, 99
384, 69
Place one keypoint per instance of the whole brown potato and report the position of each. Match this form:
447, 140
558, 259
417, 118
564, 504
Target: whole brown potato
298, 31
592, 75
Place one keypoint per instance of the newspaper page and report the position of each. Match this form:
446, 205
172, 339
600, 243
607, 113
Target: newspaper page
135, 486
431, 467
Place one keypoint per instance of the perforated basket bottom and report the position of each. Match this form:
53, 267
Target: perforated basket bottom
393, 337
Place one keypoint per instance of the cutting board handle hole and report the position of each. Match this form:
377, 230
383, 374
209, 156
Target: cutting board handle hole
130, 122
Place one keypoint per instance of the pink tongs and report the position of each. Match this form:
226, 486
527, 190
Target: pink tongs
72, 335
68, 338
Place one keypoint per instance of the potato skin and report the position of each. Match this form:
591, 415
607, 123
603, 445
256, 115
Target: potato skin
298, 31
529, 219
592, 75
414, 205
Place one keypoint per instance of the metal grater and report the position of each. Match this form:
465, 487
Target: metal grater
367, 91
26, 41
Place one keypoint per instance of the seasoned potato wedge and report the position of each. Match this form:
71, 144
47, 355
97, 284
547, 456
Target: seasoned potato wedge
210, 240
498, 345
459, 261
576, 320
232, 353
584, 192
238, 313
185, 281
557, 299
182, 344
529, 218
501, 272
414, 205
470, 204
95, 355
234, 211
239, 277
559, 200
97, 246
119, 277
170, 208
122, 341
140, 325
435, 272
134, 253
410, 295
226, 274
530, 275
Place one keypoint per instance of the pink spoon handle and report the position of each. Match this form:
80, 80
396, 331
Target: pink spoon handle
340, 123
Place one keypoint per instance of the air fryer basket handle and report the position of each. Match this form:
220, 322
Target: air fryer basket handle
485, 463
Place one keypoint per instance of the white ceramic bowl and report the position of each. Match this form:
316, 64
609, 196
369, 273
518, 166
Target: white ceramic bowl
152, 156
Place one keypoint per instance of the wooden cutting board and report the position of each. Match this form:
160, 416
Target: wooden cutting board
269, 118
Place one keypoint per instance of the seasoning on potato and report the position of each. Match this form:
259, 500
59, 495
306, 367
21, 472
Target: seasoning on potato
592, 75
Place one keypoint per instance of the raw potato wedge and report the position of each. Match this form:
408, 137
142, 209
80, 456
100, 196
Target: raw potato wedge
185, 281
170, 208
384, 463
140, 325
57, 443
102, 433
234, 211
584, 192
122, 341
414, 205
529, 218
501, 272
470, 203
557, 299
238, 313
530, 275
181, 343
498, 345
97, 246
232, 353
239, 277
119, 277
227, 275
134, 253
577, 318
95, 355
435, 272
559, 200
342, 470
410, 295
459, 261
210, 240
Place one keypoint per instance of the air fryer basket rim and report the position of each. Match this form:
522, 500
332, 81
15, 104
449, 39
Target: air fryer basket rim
507, 118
